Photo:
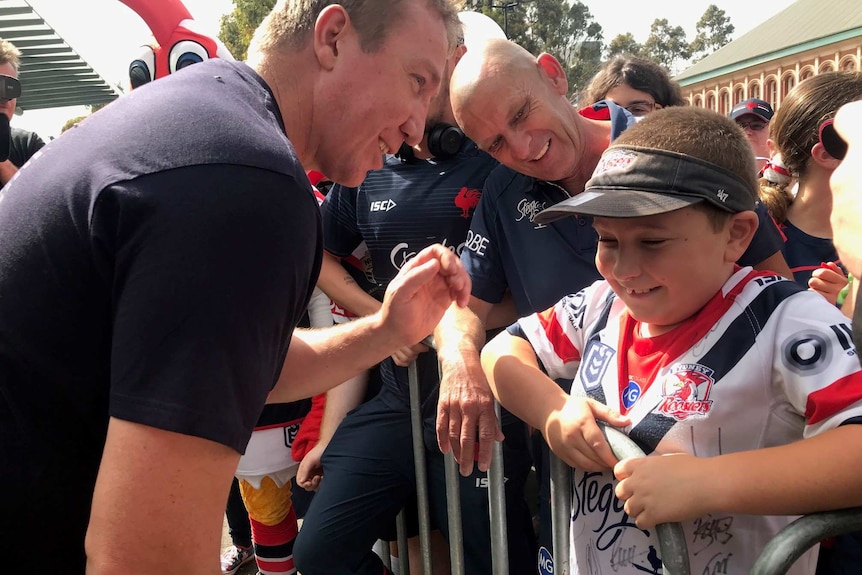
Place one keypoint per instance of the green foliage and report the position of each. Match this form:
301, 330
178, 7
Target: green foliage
565, 30
666, 44
71, 122
713, 31
625, 44
238, 27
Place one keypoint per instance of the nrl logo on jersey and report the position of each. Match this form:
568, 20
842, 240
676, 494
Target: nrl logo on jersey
685, 391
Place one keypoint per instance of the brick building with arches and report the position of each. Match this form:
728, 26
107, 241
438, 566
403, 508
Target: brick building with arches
807, 38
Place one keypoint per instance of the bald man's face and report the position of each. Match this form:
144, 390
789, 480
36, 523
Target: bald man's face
516, 109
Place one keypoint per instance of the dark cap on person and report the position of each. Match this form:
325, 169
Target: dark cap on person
755, 107
634, 181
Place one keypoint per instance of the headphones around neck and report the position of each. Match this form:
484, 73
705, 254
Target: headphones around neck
444, 141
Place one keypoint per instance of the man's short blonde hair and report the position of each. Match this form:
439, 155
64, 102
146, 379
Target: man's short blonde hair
290, 22
9, 54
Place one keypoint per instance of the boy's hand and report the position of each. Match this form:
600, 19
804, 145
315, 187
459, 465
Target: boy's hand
828, 280
406, 355
663, 489
575, 437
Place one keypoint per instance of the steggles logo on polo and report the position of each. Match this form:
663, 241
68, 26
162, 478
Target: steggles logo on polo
686, 390
467, 199
529, 209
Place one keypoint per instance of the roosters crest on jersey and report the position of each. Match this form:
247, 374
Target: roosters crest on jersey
686, 391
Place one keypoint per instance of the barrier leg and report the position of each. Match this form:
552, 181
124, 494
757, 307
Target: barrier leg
403, 552
421, 471
497, 509
453, 509
561, 512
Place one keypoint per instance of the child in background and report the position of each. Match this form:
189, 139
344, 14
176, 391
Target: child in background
748, 379
795, 136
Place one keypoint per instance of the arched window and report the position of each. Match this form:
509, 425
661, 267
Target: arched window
788, 84
771, 91
849, 65
754, 91
710, 102
725, 103
739, 95
826, 67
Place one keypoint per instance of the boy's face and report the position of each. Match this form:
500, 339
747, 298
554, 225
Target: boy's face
665, 267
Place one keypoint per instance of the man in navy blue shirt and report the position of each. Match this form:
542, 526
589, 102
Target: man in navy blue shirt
156, 261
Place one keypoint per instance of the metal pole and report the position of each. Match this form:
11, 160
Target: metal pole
497, 508
421, 471
453, 509
671, 538
403, 551
561, 512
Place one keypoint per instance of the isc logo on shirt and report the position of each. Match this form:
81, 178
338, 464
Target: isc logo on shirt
382, 205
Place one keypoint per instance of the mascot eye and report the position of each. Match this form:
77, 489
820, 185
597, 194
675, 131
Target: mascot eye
143, 68
185, 53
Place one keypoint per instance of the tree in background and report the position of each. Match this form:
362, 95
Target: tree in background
668, 45
237, 27
713, 31
625, 44
567, 31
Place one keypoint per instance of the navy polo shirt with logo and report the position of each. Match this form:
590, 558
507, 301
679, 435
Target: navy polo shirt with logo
397, 211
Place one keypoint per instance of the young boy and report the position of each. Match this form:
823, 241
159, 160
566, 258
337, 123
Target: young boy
688, 354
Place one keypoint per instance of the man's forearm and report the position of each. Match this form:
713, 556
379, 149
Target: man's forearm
460, 329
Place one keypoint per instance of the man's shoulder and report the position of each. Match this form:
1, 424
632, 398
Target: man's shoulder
503, 180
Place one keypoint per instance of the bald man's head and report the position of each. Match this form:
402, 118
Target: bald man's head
475, 73
514, 105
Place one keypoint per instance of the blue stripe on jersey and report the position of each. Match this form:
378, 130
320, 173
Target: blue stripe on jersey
595, 391
723, 356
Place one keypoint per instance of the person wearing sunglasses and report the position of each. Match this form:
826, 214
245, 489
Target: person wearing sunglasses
753, 116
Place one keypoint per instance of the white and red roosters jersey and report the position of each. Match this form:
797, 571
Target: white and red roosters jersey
764, 363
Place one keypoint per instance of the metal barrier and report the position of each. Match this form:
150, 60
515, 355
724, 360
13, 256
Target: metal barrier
778, 555
795, 539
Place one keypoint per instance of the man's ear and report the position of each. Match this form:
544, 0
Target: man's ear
741, 228
331, 24
457, 54
554, 72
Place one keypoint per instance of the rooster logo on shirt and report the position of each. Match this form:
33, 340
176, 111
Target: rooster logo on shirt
467, 199
686, 391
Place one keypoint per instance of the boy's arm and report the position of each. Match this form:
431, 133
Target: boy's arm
339, 401
342, 289
568, 423
816, 474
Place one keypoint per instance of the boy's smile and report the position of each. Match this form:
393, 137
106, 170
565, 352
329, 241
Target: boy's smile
664, 267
